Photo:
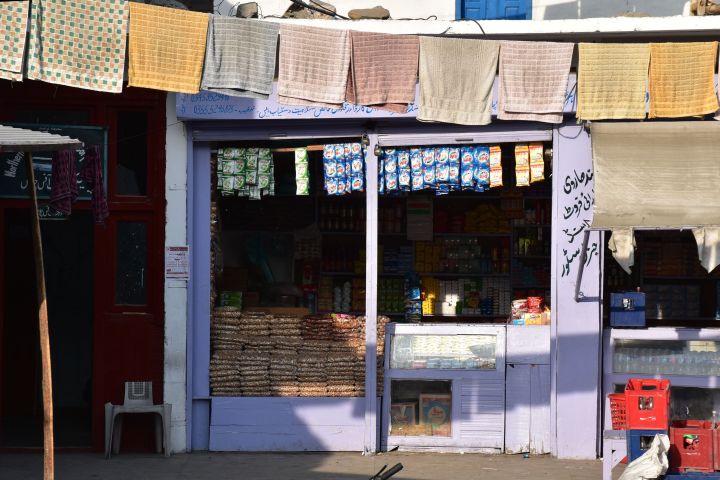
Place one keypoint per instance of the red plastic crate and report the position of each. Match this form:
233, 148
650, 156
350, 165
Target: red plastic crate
691, 446
617, 411
647, 404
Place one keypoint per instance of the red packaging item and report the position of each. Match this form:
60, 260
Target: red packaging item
533, 304
691, 446
647, 404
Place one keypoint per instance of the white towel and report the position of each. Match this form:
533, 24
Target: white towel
622, 246
708, 244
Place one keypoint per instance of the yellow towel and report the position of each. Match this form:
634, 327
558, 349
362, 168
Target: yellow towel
612, 80
167, 48
682, 79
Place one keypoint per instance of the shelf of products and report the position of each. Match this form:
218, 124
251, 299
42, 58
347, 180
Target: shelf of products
443, 352
667, 357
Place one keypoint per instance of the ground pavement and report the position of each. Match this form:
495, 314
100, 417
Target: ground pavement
320, 466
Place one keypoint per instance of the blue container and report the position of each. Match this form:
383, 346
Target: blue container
638, 441
627, 309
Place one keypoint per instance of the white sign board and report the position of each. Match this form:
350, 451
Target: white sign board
176, 262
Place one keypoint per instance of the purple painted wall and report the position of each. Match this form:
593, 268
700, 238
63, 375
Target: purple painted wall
576, 326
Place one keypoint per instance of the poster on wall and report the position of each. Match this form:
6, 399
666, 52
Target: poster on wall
435, 413
176, 262
14, 181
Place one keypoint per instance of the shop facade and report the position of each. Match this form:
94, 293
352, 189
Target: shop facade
538, 385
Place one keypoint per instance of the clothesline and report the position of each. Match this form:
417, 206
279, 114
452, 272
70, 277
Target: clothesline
82, 45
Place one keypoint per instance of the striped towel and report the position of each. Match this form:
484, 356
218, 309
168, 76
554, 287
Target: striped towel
78, 43
682, 79
612, 80
240, 57
533, 80
167, 48
14, 16
383, 70
456, 80
314, 66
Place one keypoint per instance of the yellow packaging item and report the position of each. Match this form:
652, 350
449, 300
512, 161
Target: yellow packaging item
495, 167
537, 162
522, 165
537, 318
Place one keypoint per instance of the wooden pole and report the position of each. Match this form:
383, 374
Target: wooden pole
48, 443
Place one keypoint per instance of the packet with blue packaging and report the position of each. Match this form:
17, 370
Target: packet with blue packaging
467, 168
404, 170
481, 168
454, 169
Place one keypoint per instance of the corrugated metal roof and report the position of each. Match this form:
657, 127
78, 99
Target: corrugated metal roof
13, 139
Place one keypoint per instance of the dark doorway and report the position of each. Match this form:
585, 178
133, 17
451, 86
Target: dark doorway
68, 255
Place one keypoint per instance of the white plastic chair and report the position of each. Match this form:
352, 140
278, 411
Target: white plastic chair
138, 399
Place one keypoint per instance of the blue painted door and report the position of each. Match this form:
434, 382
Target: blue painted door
494, 9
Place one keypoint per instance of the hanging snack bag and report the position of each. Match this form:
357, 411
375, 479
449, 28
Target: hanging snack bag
442, 165
302, 172
496, 174
251, 166
467, 170
522, 165
429, 168
331, 186
404, 171
537, 163
391, 170
416, 160
481, 168
454, 168
329, 168
358, 168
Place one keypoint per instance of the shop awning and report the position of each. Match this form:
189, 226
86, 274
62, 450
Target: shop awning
14, 139
656, 174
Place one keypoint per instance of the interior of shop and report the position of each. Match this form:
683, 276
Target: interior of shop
288, 261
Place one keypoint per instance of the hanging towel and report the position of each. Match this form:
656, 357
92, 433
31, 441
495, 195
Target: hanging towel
91, 173
682, 79
240, 57
63, 181
612, 80
622, 246
708, 244
78, 43
383, 70
456, 80
14, 17
314, 65
533, 80
167, 48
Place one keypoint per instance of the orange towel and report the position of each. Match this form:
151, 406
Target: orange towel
682, 79
167, 48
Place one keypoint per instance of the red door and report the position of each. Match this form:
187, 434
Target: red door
127, 270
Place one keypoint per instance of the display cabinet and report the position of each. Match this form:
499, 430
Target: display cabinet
444, 387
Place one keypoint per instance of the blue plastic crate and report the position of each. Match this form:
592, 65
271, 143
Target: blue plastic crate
627, 309
638, 441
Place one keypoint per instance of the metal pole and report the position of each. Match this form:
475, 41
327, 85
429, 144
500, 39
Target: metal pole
48, 455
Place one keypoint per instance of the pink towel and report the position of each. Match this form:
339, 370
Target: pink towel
63, 181
383, 70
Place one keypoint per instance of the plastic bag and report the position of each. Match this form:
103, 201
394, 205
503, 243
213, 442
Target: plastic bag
652, 464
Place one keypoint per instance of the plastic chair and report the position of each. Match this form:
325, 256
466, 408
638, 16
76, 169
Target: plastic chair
138, 399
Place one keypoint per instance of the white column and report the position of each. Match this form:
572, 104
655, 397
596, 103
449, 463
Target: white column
175, 290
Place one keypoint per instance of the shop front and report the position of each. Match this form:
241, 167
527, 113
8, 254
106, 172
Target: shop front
419, 313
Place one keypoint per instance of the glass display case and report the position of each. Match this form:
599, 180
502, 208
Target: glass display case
441, 381
443, 351
667, 357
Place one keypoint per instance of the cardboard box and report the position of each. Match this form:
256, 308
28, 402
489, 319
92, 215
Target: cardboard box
435, 411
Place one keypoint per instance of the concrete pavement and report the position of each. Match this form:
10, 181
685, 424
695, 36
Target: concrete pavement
320, 466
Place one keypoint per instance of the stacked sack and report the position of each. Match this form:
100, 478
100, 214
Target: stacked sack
258, 354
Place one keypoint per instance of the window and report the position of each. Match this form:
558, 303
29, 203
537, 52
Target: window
131, 263
494, 9
132, 153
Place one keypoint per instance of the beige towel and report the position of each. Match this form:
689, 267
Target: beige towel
383, 70
456, 80
612, 80
533, 80
708, 244
78, 43
314, 65
682, 79
167, 48
14, 16
622, 246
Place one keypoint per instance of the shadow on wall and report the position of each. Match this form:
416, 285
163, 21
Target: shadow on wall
576, 9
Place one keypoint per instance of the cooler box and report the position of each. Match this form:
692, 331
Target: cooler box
691, 446
647, 404
638, 441
627, 309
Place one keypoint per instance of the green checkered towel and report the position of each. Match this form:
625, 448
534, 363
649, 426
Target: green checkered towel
14, 17
78, 43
